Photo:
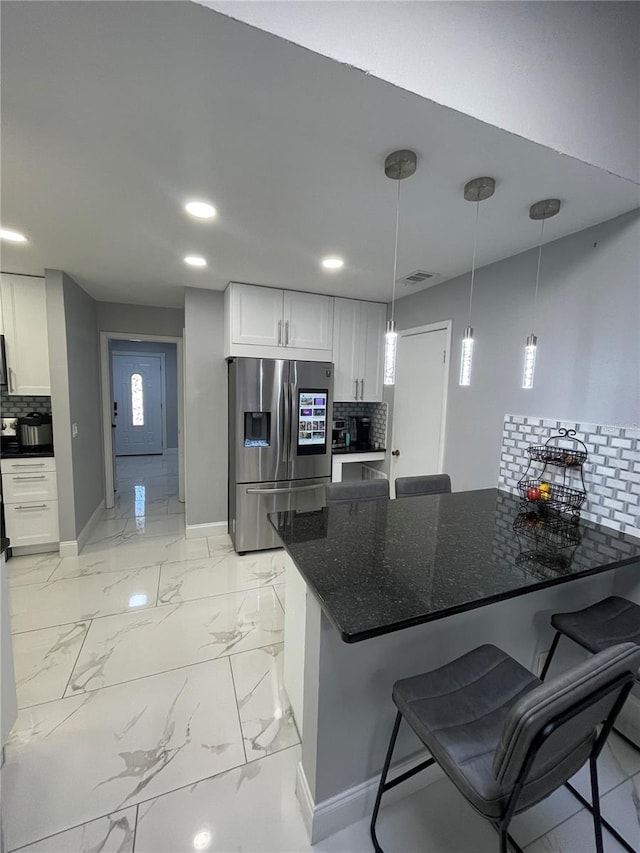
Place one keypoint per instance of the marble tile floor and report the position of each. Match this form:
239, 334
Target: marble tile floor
153, 715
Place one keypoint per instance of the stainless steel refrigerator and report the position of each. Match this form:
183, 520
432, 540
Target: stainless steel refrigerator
279, 443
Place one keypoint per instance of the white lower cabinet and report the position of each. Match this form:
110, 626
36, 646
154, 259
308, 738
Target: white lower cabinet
30, 496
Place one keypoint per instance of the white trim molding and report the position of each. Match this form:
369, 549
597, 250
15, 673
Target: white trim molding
213, 528
356, 803
72, 547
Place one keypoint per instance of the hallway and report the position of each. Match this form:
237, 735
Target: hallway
153, 715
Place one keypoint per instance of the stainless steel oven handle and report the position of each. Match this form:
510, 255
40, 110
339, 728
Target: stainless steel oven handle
33, 506
284, 491
34, 477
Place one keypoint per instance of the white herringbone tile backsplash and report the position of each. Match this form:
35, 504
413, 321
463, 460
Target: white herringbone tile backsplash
611, 473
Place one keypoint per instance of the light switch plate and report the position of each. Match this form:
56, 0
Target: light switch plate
74, 430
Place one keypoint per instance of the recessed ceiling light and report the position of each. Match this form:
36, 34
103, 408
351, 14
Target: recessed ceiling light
195, 261
200, 209
12, 236
332, 263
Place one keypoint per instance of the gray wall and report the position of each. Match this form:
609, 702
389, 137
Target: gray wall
205, 407
171, 378
140, 319
75, 396
588, 360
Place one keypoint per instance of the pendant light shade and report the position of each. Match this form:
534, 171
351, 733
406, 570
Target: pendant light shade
476, 190
397, 166
539, 211
390, 349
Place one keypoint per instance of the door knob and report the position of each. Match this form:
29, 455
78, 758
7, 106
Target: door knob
395, 453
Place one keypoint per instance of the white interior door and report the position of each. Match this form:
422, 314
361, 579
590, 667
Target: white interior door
420, 398
137, 389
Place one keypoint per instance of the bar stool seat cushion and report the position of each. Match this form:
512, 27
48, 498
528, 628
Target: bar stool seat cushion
609, 622
459, 712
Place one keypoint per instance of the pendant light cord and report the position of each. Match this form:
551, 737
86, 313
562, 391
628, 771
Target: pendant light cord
535, 297
395, 256
473, 259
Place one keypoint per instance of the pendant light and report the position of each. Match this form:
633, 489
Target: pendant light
540, 211
476, 190
397, 166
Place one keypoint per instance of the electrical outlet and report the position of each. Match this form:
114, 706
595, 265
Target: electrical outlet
74, 430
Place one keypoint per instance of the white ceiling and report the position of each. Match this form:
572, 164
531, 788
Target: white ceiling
114, 114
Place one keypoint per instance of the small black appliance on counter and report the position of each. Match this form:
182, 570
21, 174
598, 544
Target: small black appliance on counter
35, 431
362, 438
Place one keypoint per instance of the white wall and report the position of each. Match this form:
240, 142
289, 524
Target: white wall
205, 407
588, 363
75, 399
561, 74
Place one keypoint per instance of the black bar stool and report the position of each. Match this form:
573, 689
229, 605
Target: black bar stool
507, 740
606, 623
360, 490
429, 484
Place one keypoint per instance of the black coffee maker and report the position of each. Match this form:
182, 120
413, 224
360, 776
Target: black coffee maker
363, 431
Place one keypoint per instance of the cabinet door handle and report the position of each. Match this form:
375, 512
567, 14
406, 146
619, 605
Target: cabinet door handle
286, 333
33, 506
28, 465
11, 386
362, 389
355, 394
35, 477
279, 332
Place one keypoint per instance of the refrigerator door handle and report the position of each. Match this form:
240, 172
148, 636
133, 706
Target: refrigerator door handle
292, 422
286, 421
284, 491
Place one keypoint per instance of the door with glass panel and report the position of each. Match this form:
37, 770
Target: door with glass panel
137, 391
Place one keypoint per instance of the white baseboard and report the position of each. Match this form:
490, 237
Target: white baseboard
25, 550
72, 547
91, 523
213, 528
356, 803
69, 548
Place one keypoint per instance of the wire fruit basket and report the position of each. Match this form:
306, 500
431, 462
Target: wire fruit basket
562, 457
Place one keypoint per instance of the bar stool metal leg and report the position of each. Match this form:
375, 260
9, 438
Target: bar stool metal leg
547, 663
383, 779
595, 796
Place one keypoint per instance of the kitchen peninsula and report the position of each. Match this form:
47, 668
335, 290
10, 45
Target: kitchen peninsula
386, 589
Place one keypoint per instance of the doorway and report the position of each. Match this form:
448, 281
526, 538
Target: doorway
142, 402
420, 400
139, 402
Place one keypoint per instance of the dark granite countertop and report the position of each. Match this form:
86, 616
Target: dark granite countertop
21, 453
380, 566
356, 449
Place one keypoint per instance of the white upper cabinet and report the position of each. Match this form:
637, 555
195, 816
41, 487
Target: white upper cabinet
358, 350
24, 318
265, 322
373, 317
308, 320
256, 315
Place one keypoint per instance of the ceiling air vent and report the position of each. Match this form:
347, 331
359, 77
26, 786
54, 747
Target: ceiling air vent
417, 277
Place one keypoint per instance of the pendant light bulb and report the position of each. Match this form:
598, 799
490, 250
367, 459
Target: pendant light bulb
538, 212
466, 357
477, 190
390, 351
397, 166
529, 362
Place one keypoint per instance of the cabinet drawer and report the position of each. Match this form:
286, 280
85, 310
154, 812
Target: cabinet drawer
32, 522
30, 486
28, 465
